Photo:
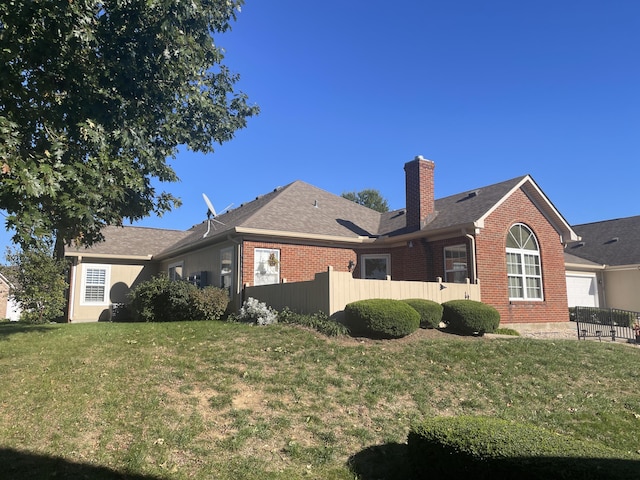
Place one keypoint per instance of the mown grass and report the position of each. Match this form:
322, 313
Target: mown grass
223, 400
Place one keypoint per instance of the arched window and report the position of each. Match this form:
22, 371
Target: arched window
523, 264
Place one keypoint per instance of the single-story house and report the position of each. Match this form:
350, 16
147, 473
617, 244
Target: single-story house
9, 308
507, 237
603, 267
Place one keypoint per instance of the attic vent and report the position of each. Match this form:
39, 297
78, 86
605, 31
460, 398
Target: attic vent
473, 193
577, 245
612, 240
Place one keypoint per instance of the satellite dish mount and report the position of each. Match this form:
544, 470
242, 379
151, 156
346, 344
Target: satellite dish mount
211, 214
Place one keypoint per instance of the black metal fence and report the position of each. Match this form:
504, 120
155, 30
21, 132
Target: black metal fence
606, 322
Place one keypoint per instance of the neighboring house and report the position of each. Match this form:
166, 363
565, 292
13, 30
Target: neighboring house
9, 308
603, 267
508, 237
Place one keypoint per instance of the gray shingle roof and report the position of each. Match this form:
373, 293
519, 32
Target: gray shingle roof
301, 208
610, 242
297, 207
131, 241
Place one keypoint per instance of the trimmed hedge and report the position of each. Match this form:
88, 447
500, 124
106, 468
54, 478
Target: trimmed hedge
470, 317
430, 311
381, 318
489, 448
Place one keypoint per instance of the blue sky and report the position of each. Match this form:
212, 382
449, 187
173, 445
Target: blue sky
350, 91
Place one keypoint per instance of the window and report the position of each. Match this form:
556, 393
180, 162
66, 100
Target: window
376, 267
266, 263
226, 268
523, 264
95, 282
455, 264
175, 271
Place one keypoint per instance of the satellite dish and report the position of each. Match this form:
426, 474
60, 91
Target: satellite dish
211, 213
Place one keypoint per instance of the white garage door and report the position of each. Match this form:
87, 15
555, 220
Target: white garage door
582, 290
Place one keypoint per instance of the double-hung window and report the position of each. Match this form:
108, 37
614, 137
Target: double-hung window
523, 264
95, 284
455, 264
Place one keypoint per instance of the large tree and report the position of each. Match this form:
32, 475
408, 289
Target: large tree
369, 198
95, 97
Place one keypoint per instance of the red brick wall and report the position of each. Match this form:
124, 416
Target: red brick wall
299, 263
492, 265
419, 184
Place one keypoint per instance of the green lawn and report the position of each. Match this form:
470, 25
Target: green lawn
221, 400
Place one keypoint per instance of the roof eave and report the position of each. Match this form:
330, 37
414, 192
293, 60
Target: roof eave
110, 256
359, 240
435, 234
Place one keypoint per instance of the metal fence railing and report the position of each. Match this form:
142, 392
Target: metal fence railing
606, 322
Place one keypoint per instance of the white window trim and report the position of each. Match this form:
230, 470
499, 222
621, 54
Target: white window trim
276, 268
521, 254
231, 273
107, 283
175, 265
368, 256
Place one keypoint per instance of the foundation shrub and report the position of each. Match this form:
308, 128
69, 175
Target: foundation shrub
209, 303
489, 448
317, 321
163, 300
430, 311
470, 317
381, 318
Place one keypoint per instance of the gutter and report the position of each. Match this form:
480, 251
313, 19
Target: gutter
81, 255
474, 266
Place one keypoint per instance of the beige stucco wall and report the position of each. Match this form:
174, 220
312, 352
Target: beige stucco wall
622, 288
206, 259
122, 277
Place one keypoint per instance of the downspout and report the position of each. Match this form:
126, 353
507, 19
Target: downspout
239, 285
474, 267
72, 288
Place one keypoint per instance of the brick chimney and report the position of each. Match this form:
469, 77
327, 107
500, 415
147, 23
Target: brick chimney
419, 190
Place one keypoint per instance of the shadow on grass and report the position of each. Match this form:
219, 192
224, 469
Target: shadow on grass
29, 466
382, 462
11, 328
391, 461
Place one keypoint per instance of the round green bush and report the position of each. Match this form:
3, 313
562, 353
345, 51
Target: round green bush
381, 318
430, 311
484, 448
470, 317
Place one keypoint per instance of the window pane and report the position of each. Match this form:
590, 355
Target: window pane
514, 267
515, 287
375, 268
532, 266
96, 276
534, 288
94, 293
266, 263
455, 264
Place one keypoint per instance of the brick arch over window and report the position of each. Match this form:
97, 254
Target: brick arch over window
524, 269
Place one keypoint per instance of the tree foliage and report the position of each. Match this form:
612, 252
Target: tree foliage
369, 198
95, 96
39, 283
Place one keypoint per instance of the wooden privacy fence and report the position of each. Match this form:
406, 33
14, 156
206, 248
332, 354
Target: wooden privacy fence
331, 291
